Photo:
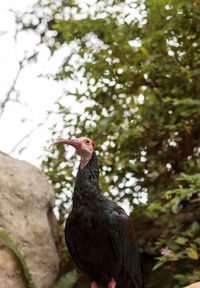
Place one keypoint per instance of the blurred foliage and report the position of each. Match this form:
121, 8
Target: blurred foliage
137, 64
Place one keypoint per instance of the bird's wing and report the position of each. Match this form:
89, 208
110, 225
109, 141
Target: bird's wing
125, 247
70, 243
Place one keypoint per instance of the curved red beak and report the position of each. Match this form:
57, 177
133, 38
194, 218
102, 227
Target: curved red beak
76, 143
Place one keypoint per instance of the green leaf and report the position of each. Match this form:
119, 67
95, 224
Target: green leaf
68, 280
173, 246
197, 240
159, 264
194, 228
192, 253
155, 206
181, 240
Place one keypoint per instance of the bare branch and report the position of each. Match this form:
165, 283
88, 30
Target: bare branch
24, 138
27, 58
11, 89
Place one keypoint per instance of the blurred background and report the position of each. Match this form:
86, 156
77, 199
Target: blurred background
125, 74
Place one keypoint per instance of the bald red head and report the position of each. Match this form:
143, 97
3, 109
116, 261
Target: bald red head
83, 145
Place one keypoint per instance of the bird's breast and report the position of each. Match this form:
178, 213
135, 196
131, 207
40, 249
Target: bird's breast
88, 239
87, 219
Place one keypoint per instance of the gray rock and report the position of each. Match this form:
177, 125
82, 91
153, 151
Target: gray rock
26, 215
195, 285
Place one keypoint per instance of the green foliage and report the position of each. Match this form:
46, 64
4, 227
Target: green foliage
68, 280
20, 257
136, 74
182, 239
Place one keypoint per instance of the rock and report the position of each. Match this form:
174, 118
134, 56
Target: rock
26, 215
195, 285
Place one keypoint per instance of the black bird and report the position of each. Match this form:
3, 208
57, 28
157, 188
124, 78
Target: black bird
98, 233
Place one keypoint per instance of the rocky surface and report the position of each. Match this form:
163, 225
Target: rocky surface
26, 201
195, 285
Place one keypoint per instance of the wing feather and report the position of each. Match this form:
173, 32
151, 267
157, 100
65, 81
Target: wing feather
125, 247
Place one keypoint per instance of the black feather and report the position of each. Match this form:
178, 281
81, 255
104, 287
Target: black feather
99, 235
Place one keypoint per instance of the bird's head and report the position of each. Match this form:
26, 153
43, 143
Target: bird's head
83, 145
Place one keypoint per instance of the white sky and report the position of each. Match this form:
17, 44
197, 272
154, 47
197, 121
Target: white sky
38, 93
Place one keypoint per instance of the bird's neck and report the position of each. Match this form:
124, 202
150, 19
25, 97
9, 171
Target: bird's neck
87, 182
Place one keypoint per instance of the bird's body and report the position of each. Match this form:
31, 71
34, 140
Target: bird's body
98, 233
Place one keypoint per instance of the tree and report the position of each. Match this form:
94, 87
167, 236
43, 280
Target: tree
138, 67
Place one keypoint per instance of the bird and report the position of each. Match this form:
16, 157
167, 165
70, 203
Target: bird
98, 233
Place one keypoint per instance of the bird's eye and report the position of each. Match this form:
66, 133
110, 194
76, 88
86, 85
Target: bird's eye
87, 141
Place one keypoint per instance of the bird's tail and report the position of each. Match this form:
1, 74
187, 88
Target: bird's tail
138, 283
